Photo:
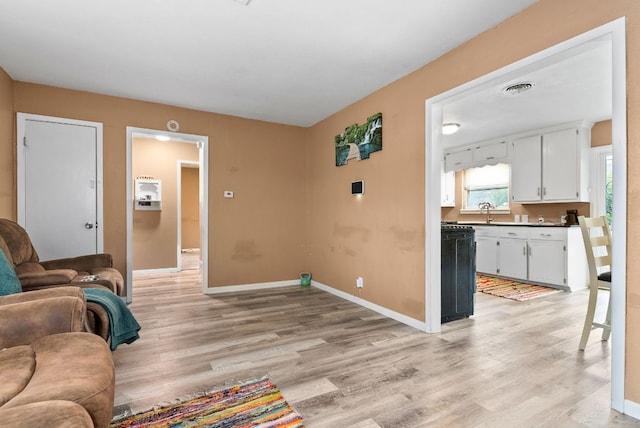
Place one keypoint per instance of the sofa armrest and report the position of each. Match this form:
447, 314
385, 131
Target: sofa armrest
80, 263
48, 277
23, 322
45, 293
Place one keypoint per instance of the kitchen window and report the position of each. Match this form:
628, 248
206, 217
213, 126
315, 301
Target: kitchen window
487, 184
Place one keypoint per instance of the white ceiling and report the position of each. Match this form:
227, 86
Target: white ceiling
571, 86
286, 61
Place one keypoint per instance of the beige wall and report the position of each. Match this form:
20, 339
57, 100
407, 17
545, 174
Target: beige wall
7, 149
381, 236
155, 233
263, 162
190, 208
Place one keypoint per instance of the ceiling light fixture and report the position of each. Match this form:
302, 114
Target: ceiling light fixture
450, 128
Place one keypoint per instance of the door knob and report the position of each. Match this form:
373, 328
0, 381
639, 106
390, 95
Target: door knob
88, 225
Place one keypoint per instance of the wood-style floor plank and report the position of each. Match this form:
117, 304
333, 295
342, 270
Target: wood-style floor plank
341, 365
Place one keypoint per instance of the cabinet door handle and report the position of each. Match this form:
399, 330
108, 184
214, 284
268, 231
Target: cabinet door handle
538, 191
490, 157
524, 250
511, 233
544, 191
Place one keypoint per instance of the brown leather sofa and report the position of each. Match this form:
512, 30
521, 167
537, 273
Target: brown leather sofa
35, 274
51, 373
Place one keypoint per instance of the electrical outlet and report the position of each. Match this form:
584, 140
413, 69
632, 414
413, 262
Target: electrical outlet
359, 282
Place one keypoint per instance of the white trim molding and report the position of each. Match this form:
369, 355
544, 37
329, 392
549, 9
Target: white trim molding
632, 409
411, 322
155, 271
250, 287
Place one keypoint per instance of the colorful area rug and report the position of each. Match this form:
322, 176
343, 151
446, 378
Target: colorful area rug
253, 404
511, 289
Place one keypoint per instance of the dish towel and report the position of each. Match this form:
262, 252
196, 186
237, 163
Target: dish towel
123, 326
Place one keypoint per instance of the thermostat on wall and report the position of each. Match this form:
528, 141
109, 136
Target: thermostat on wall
357, 187
228, 194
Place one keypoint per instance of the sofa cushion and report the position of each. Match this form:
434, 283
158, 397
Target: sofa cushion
16, 368
46, 278
9, 282
75, 367
50, 414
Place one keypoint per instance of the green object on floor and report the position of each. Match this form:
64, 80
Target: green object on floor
305, 279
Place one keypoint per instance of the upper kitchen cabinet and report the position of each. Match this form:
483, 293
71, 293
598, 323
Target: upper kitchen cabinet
447, 188
457, 160
479, 155
551, 166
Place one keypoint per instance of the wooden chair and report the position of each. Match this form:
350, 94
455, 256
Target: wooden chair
597, 244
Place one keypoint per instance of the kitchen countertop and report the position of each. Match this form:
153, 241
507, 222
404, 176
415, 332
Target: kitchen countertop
506, 223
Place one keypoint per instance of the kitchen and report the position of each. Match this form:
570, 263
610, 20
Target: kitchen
534, 156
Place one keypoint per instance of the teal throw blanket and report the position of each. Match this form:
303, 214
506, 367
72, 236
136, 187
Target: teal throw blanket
123, 326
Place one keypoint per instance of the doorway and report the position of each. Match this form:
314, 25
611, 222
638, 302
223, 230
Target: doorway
155, 229
188, 248
615, 32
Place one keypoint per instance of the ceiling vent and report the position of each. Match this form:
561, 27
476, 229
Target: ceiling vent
518, 88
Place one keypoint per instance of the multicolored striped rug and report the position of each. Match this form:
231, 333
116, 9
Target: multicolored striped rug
256, 403
510, 289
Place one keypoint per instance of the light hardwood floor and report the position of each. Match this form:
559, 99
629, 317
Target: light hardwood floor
513, 364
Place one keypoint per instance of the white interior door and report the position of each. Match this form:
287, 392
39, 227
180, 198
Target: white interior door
59, 185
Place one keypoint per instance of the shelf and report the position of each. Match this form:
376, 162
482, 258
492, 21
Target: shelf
148, 194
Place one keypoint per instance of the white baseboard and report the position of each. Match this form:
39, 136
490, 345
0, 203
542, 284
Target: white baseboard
632, 409
248, 287
412, 322
156, 271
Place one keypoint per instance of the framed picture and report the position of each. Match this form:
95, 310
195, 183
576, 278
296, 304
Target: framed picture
359, 141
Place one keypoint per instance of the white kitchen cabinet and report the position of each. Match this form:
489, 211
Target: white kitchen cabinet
486, 249
551, 167
448, 189
526, 169
565, 166
477, 156
548, 262
512, 252
552, 256
457, 160
489, 154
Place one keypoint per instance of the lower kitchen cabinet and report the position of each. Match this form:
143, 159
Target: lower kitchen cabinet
548, 262
552, 256
486, 253
512, 258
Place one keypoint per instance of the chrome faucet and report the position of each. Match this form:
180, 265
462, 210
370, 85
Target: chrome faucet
486, 206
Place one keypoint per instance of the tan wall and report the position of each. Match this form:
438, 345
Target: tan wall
7, 149
381, 236
601, 134
263, 162
190, 208
155, 233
